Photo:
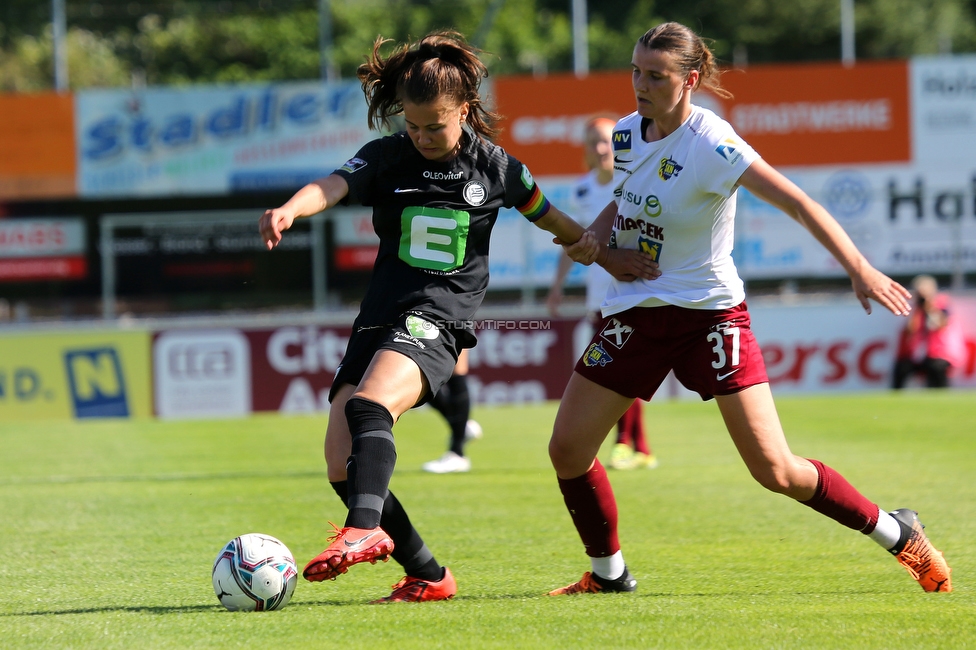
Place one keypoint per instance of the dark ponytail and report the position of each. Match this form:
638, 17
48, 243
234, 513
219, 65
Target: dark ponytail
441, 64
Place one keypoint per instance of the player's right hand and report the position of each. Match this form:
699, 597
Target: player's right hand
627, 265
272, 224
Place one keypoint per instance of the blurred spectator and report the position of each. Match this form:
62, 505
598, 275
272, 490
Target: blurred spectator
931, 343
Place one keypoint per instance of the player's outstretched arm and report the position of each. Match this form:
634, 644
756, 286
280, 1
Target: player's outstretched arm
313, 198
560, 224
868, 282
625, 265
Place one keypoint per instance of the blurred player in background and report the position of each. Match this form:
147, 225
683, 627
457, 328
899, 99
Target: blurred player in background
453, 401
678, 167
593, 192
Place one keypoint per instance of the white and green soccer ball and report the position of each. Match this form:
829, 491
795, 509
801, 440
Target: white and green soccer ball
254, 573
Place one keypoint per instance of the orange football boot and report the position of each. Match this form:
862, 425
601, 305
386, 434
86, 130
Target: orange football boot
348, 546
591, 583
915, 552
416, 590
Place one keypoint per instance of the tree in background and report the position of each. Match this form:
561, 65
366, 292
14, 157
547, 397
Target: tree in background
156, 42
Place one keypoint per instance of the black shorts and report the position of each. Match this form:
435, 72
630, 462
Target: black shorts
433, 348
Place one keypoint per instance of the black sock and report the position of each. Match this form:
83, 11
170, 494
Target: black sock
460, 411
342, 489
371, 463
408, 547
441, 401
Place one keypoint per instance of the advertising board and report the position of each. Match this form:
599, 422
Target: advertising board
906, 219
943, 91
822, 113
74, 375
42, 249
546, 133
37, 139
808, 347
289, 369
201, 374
215, 139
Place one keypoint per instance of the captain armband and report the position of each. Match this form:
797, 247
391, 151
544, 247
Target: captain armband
536, 207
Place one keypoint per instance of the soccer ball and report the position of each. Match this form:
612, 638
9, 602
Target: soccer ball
254, 573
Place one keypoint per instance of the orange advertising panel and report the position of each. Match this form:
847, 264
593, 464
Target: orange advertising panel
37, 138
796, 114
544, 117
822, 113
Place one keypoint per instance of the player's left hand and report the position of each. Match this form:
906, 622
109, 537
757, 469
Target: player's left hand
872, 284
627, 265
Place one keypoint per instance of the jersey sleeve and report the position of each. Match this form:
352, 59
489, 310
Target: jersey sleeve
522, 192
360, 172
722, 157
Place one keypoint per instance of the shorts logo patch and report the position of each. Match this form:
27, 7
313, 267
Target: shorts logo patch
475, 192
616, 333
596, 355
722, 376
421, 329
352, 165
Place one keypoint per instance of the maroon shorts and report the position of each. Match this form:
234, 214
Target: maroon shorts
712, 351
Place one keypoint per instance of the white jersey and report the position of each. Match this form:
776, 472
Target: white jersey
676, 200
587, 202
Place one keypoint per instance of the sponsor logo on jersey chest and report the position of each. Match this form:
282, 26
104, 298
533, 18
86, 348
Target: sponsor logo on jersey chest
443, 176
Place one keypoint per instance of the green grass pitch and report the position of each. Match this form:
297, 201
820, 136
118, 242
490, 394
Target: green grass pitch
109, 529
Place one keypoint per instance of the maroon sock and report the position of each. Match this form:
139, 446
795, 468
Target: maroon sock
839, 500
624, 429
590, 501
637, 428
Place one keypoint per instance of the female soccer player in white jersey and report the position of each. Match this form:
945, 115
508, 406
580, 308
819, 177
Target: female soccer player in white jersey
677, 170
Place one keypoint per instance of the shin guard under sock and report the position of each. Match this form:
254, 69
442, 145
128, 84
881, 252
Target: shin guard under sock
839, 500
371, 463
593, 508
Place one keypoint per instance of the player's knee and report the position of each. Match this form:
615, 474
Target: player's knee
568, 459
366, 415
773, 477
559, 453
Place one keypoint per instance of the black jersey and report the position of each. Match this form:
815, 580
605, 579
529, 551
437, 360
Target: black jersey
434, 220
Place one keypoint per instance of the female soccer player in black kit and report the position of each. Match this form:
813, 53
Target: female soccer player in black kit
435, 190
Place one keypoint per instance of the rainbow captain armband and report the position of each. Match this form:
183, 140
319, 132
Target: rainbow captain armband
536, 206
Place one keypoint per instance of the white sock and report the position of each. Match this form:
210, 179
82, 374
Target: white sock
887, 532
612, 567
